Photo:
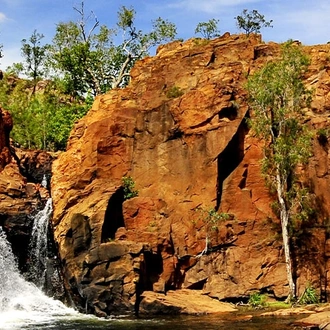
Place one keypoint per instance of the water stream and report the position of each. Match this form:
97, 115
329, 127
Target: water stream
37, 265
22, 302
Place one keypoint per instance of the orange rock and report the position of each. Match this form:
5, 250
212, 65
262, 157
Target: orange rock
179, 130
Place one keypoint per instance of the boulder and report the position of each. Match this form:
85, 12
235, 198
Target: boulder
191, 302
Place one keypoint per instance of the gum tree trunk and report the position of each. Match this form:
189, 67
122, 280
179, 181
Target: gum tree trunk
284, 217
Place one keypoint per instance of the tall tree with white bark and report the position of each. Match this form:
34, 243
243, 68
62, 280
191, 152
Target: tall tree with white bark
278, 99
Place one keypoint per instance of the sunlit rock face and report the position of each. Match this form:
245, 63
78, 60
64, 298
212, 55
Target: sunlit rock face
179, 130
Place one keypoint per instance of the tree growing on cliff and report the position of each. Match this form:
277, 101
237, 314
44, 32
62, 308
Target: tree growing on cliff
252, 21
90, 59
208, 29
277, 98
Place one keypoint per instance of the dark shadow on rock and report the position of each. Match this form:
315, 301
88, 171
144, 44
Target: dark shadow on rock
113, 218
230, 158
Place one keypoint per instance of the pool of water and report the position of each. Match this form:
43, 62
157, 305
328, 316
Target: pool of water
232, 321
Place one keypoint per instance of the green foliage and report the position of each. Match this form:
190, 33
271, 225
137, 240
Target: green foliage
211, 218
278, 98
85, 59
34, 59
34, 55
208, 30
90, 59
252, 22
128, 185
257, 300
174, 92
309, 296
42, 120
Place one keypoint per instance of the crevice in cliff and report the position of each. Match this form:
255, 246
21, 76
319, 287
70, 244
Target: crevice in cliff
242, 183
113, 218
153, 267
199, 285
229, 158
229, 112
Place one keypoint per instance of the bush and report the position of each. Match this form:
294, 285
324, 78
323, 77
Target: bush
129, 187
257, 300
174, 92
309, 296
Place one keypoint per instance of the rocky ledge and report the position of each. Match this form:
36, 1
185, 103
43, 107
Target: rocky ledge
191, 302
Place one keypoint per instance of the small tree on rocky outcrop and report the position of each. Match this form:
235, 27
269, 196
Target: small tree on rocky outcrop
277, 98
208, 29
252, 21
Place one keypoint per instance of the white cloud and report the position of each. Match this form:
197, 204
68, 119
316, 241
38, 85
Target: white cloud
209, 6
11, 55
3, 17
308, 23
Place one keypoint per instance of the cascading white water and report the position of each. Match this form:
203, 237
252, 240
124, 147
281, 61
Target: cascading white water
37, 265
21, 302
44, 182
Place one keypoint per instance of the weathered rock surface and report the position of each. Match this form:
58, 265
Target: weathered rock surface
316, 321
181, 302
179, 130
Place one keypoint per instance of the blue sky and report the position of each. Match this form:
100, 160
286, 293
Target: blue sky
304, 20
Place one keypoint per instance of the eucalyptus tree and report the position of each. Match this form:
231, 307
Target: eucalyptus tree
252, 21
208, 29
96, 58
34, 55
278, 98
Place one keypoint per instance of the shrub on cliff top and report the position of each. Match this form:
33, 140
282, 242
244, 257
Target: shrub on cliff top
208, 30
251, 22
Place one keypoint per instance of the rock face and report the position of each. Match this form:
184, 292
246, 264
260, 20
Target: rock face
21, 194
179, 130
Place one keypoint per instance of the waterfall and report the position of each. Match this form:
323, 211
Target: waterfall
22, 302
37, 265
44, 181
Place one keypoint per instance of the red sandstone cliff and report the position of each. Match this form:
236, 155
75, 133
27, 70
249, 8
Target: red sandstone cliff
179, 131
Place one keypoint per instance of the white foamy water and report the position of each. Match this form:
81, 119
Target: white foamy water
21, 302
38, 248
